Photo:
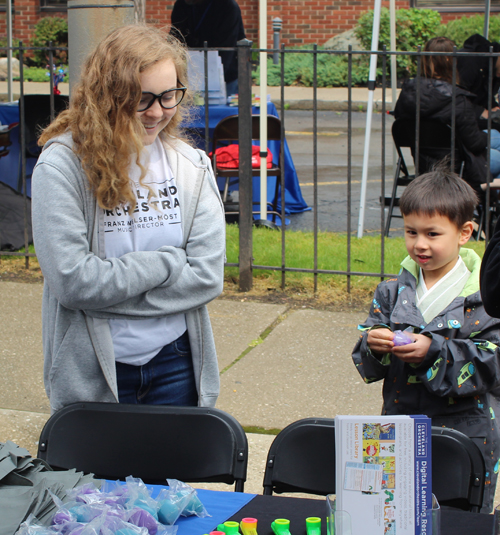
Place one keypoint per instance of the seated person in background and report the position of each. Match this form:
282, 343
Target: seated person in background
452, 366
436, 104
219, 23
474, 76
490, 274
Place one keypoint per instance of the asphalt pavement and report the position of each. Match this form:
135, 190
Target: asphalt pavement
332, 146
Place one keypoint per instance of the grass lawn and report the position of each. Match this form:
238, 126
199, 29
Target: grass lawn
331, 255
299, 253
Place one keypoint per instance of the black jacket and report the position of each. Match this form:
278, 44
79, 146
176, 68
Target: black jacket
436, 104
218, 22
474, 73
490, 275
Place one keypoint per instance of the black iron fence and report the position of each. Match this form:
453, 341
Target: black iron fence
385, 171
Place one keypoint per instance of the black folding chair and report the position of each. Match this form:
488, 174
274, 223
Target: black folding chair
435, 137
302, 458
227, 131
458, 471
151, 442
37, 116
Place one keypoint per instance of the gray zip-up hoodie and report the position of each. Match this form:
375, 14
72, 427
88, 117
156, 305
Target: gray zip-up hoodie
83, 289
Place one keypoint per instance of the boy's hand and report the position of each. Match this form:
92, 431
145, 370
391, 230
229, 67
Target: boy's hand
380, 341
415, 352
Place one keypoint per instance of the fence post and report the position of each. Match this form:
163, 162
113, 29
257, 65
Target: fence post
245, 164
277, 25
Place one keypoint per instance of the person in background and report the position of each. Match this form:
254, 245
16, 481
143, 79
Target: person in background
219, 23
490, 274
474, 74
449, 365
130, 234
436, 103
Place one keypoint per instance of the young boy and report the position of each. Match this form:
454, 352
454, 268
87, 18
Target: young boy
452, 366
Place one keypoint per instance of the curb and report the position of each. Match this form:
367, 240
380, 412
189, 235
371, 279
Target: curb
328, 105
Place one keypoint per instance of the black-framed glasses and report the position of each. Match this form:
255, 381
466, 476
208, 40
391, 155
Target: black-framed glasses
168, 99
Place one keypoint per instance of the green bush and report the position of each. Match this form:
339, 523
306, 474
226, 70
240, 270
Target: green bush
413, 28
332, 70
38, 74
3, 43
50, 29
461, 29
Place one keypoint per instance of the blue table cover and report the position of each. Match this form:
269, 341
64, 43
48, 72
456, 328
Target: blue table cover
9, 165
294, 202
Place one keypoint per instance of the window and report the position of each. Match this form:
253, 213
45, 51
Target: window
53, 5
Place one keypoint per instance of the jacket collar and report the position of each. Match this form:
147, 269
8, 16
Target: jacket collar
472, 262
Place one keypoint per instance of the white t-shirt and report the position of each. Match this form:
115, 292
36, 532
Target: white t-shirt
152, 224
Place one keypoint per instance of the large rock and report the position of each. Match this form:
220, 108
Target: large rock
3, 68
342, 41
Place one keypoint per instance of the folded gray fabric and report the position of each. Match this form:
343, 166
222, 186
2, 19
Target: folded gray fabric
28, 487
14, 506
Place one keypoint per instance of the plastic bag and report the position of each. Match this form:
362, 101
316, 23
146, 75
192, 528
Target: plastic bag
138, 495
31, 526
194, 505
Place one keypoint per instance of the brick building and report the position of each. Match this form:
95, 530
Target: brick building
304, 21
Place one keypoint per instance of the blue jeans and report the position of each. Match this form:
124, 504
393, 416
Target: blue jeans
167, 379
232, 87
494, 153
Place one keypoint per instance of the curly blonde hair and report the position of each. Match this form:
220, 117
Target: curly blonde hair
102, 112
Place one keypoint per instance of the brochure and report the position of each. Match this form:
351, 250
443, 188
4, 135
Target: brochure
384, 472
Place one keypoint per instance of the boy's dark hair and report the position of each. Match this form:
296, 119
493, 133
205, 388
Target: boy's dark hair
440, 192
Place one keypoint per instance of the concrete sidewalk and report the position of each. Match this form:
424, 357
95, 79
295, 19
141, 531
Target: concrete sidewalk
296, 98
298, 366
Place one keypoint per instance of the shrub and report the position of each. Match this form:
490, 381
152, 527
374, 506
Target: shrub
413, 28
50, 29
3, 43
332, 70
461, 29
37, 74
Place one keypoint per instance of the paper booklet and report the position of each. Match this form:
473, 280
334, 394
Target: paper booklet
383, 473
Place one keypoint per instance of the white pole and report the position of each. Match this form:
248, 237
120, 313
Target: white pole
486, 18
10, 96
394, 74
394, 78
371, 88
263, 107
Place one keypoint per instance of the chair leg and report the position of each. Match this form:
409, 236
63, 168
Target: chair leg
480, 223
226, 188
274, 205
393, 198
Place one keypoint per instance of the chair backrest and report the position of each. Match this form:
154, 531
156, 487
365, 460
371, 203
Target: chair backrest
227, 129
114, 440
434, 141
302, 458
37, 117
458, 471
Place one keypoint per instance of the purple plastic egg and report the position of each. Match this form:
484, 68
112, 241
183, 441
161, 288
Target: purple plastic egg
401, 338
142, 519
62, 517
